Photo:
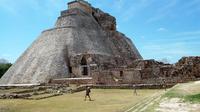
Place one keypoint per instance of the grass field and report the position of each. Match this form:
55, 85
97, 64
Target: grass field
104, 100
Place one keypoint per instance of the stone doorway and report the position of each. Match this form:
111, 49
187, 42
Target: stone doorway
84, 66
84, 70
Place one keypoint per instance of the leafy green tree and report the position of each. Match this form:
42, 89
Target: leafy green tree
4, 68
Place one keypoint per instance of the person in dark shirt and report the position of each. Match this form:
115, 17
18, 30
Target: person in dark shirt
88, 93
135, 89
164, 84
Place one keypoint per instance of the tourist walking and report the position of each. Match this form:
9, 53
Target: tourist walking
164, 84
135, 90
87, 93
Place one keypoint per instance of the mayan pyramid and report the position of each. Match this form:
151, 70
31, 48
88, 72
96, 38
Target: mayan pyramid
82, 36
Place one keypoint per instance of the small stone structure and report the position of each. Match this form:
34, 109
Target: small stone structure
85, 43
81, 4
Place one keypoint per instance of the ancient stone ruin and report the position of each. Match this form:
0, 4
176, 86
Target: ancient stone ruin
85, 47
84, 39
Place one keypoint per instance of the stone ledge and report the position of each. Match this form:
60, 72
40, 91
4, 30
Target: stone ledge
129, 86
82, 80
58, 28
19, 85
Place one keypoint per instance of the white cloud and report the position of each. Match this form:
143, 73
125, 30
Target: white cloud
161, 29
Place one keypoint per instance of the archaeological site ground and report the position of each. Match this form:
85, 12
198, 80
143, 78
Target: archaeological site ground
85, 49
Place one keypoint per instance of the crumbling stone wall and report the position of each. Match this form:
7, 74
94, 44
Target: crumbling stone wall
154, 72
106, 21
188, 68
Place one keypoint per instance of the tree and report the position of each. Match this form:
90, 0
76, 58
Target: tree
4, 67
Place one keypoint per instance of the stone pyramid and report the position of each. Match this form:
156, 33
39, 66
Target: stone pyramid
83, 35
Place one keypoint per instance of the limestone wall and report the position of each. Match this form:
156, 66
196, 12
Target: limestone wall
154, 72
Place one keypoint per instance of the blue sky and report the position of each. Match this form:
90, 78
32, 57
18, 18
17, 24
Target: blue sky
160, 29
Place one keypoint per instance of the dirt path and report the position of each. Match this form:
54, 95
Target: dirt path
142, 106
166, 105
177, 105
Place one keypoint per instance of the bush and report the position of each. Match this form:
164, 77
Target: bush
4, 68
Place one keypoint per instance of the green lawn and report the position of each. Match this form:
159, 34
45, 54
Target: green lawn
193, 98
105, 100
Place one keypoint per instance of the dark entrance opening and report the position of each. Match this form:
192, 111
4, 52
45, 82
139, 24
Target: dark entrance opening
85, 71
121, 73
70, 69
84, 66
